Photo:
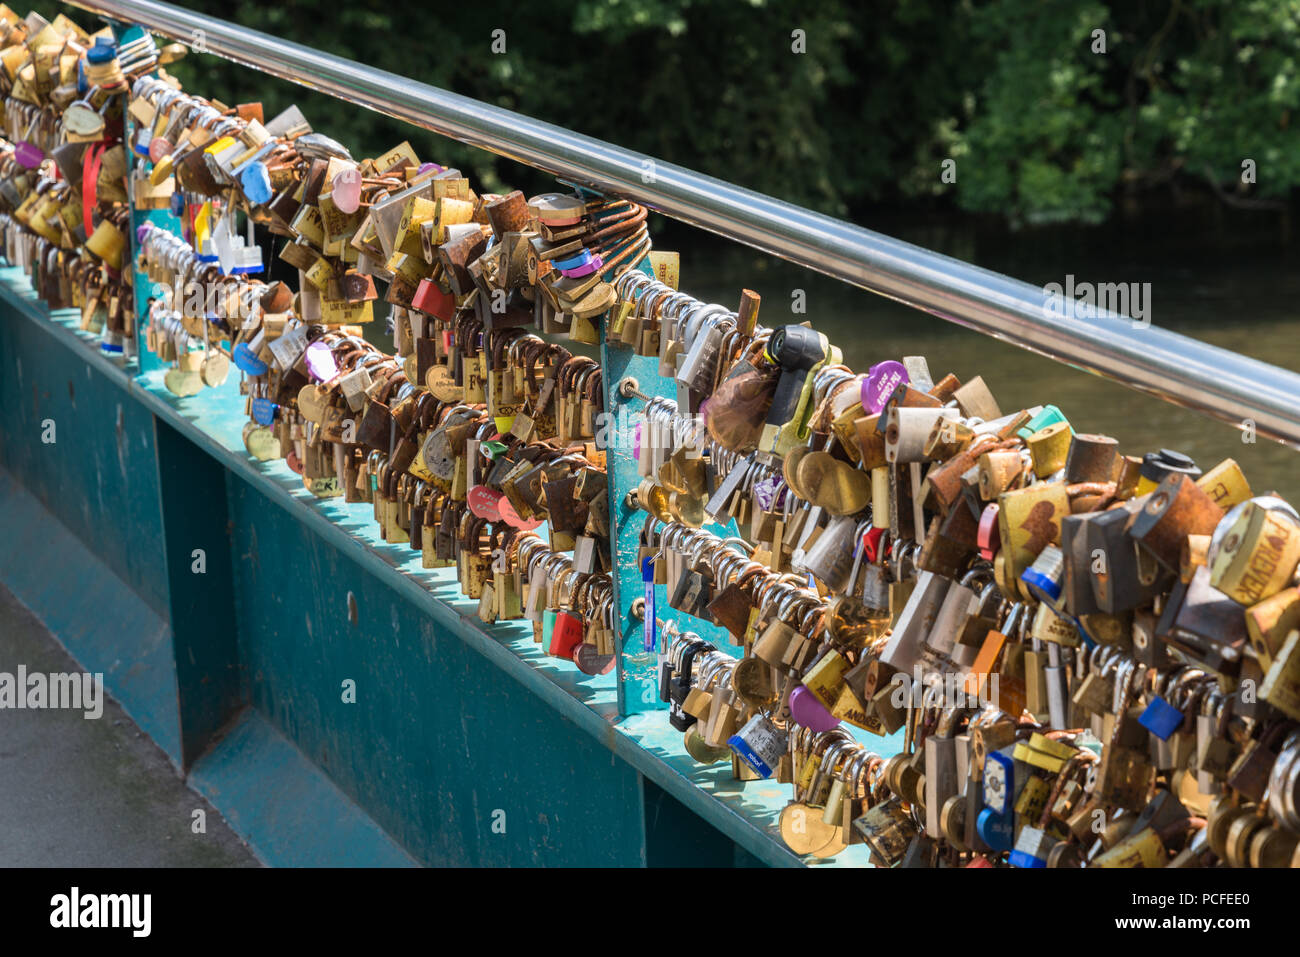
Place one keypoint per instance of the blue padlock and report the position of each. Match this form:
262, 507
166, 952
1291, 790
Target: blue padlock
264, 411
999, 782
256, 183
1161, 718
583, 257
996, 830
1045, 576
760, 744
1025, 859
247, 361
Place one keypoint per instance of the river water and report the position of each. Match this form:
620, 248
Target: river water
1235, 287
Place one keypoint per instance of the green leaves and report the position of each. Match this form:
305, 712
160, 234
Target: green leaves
841, 105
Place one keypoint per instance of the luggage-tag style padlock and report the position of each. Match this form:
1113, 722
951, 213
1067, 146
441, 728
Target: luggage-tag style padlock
648, 565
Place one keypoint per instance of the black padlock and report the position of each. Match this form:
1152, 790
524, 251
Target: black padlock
1205, 625
679, 686
1077, 591
1117, 579
693, 592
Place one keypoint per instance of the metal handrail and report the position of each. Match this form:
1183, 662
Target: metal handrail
1193, 374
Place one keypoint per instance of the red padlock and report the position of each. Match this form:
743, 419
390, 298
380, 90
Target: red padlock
566, 634
989, 536
430, 299
485, 502
871, 543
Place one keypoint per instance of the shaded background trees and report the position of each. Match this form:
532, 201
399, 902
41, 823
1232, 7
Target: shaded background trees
1042, 125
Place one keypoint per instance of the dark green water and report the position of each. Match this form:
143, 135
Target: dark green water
1234, 287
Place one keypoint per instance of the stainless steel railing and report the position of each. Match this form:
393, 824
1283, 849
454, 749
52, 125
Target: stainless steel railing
1215, 381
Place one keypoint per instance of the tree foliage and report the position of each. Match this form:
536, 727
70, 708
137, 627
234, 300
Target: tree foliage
1041, 124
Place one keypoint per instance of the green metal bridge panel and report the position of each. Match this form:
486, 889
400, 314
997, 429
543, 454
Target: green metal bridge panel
99, 476
200, 590
449, 754
284, 806
453, 719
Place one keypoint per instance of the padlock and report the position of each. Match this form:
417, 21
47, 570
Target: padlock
760, 744
1254, 550
1178, 507
915, 622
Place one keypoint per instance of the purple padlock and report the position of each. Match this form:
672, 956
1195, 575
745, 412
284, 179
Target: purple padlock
320, 361
767, 493
881, 381
809, 712
28, 155
584, 270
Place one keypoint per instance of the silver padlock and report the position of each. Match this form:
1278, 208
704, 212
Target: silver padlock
915, 622
830, 558
907, 430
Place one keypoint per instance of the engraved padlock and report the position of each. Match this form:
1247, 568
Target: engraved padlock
1254, 550
760, 744
907, 431
915, 622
